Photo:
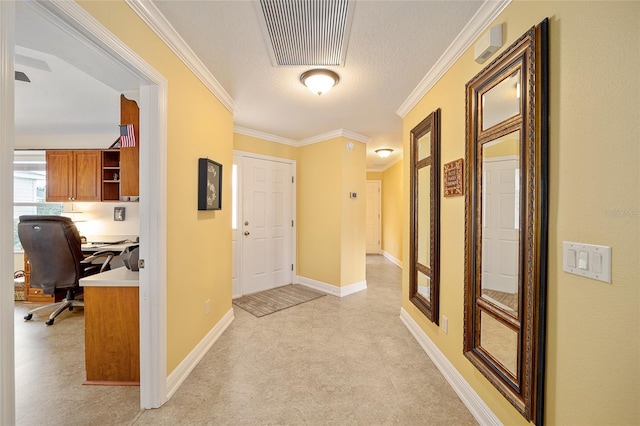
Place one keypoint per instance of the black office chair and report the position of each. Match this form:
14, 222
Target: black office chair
53, 246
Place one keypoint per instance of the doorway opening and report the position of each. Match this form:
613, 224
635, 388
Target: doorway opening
152, 88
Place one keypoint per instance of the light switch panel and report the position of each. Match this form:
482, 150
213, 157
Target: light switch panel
587, 260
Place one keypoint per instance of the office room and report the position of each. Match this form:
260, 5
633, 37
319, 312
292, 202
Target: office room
72, 159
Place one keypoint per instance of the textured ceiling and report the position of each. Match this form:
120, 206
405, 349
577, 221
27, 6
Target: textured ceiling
390, 48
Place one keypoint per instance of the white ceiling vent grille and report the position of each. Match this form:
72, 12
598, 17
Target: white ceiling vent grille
307, 32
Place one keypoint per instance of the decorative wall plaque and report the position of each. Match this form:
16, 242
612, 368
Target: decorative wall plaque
453, 174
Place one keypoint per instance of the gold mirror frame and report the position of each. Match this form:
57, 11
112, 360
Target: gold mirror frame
427, 303
512, 357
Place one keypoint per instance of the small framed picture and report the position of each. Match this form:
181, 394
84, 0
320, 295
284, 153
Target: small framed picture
209, 185
118, 214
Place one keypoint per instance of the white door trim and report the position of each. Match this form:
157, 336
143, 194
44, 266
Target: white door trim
153, 106
244, 154
7, 361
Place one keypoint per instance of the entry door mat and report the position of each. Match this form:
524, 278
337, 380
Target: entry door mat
276, 299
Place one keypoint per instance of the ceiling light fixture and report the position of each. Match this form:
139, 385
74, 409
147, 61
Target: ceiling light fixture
319, 80
384, 152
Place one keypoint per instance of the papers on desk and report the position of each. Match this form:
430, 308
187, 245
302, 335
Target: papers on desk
106, 243
115, 247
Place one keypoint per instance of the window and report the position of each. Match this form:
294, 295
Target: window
29, 189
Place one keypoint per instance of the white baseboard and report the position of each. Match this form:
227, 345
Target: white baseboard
187, 365
332, 289
389, 257
469, 397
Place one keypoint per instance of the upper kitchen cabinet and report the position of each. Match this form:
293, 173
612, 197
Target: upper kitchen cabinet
129, 155
74, 175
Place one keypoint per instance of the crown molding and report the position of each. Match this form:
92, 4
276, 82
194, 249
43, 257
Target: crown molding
302, 142
264, 136
62, 13
150, 14
487, 13
335, 134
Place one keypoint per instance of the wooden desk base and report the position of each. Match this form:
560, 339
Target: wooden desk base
112, 335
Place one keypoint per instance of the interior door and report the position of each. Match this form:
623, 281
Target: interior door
373, 217
266, 224
500, 225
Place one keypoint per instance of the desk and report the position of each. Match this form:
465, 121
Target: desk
115, 248
112, 328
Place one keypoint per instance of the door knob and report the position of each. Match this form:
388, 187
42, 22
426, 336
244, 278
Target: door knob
246, 232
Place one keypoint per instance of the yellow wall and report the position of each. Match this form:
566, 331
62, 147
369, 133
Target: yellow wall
503, 147
198, 125
354, 211
593, 368
331, 228
374, 175
393, 213
319, 200
263, 147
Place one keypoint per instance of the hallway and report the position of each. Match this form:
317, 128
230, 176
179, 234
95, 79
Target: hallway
330, 361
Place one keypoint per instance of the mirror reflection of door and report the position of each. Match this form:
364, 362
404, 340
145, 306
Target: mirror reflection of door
501, 221
424, 218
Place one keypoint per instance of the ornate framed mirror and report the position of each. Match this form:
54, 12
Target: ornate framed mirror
506, 221
424, 247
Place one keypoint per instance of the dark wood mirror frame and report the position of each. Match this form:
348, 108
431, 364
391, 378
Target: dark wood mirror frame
523, 383
429, 306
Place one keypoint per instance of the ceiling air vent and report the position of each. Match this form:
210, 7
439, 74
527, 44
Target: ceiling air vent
307, 32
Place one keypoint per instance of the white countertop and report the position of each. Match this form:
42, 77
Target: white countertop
119, 277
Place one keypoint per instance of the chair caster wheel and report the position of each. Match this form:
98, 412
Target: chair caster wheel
49, 322
28, 317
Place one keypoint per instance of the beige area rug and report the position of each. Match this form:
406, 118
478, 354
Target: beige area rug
274, 300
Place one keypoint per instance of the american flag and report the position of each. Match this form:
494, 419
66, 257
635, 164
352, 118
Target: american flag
127, 137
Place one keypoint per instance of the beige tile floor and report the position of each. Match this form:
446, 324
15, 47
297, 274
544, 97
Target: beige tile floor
331, 361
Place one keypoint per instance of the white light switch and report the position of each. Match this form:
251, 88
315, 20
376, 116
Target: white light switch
571, 258
587, 260
596, 262
583, 260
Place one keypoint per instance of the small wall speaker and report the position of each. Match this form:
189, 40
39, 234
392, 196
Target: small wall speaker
488, 44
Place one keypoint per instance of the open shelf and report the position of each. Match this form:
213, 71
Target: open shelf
111, 175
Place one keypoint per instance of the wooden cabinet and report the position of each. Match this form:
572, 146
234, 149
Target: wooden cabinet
111, 176
129, 156
97, 175
74, 175
112, 327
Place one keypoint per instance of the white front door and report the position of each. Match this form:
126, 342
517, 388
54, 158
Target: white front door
266, 224
373, 216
